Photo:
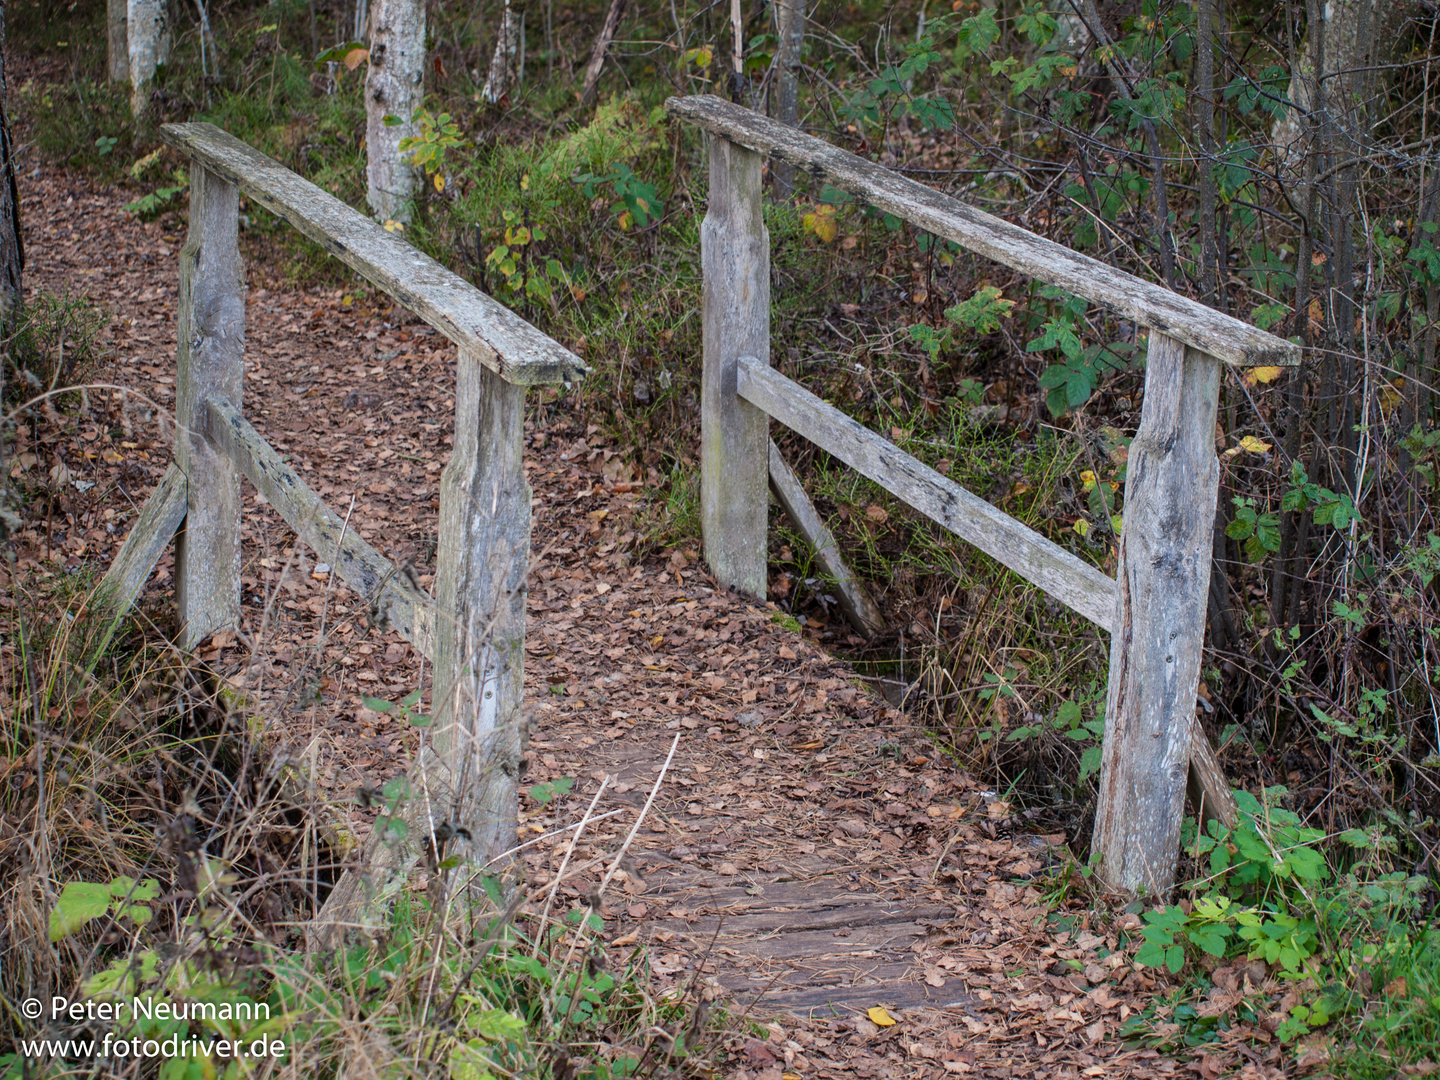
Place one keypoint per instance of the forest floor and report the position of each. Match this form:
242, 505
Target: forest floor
812, 853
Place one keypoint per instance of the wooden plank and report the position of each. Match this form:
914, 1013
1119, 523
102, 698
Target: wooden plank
468, 772
1159, 622
1144, 302
483, 328
1039, 561
392, 598
855, 600
484, 559
734, 436
161, 515
1207, 790
210, 362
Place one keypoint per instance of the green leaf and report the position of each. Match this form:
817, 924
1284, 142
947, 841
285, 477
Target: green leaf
79, 902
496, 1024
390, 120
375, 704
1090, 763
1212, 939
1150, 955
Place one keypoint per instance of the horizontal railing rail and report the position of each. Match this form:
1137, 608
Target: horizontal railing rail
502, 340
473, 629
1154, 609
1039, 561
1144, 302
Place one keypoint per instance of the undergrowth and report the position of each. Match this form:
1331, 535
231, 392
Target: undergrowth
154, 849
1319, 674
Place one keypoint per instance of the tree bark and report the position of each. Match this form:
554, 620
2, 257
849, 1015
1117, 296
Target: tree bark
790, 29
1360, 37
394, 87
148, 39
502, 63
118, 48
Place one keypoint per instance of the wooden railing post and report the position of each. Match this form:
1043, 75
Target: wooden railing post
210, 362
734, 435
484, 559
1171, 485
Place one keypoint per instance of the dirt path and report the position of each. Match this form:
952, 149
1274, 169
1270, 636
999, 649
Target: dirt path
812, 852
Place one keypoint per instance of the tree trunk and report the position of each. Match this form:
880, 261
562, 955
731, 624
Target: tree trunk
12, 248
148, 39
790, 29
118, 49
1360, 38
395, 87
502, 63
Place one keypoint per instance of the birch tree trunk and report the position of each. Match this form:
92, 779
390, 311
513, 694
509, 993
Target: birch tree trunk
1360, 38
147, 30
395, 86
118, 48
502, 64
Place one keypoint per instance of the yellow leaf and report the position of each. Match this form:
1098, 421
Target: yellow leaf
821, 222
626, 221
1081, 526
392, 225
439, 182
1117, 522
1254, 445
1262, 375
1088, 478
699, 57
355, 57
879, 1017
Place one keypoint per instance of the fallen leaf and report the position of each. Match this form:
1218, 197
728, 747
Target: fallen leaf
1267, 374
879, 1017
877, 514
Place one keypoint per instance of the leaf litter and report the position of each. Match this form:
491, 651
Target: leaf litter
812, 856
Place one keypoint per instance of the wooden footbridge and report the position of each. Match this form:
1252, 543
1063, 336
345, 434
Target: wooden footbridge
468, 770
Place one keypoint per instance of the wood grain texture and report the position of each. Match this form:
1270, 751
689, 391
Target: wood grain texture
484, 329
855, 600
1159, 621
734, 435
483, 562
1146, 303
1206, 788
468, 772
210, 362
390, 596
1075, 583
159, 518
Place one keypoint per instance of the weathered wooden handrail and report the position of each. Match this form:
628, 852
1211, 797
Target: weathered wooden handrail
474, 629
1155, 610
1144, 302
491, 332
1039, 561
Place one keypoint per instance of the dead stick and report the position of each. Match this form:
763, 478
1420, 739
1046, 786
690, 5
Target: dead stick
602, 44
